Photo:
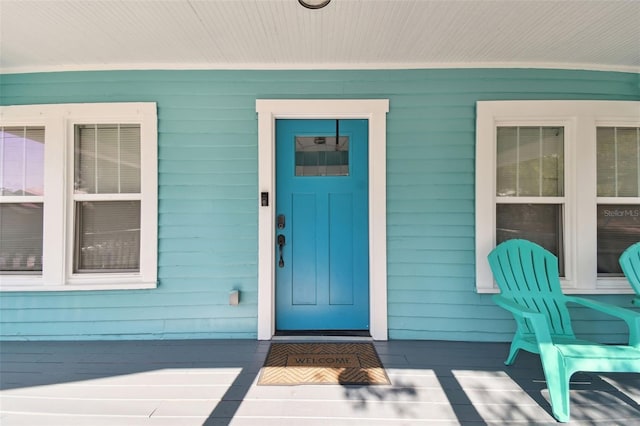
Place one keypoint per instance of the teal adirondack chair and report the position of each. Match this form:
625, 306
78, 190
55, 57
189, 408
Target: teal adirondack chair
630, 263
527, 275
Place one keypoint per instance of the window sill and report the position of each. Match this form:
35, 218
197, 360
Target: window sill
33, 285
604, 287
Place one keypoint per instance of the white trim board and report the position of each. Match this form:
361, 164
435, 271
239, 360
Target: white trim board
374, 110
256, 66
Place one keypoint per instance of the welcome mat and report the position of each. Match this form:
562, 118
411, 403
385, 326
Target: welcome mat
323, 363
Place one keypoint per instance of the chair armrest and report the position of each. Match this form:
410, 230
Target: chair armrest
536, 319
632, 318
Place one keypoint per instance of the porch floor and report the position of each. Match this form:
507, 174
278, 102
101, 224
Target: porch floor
213, 382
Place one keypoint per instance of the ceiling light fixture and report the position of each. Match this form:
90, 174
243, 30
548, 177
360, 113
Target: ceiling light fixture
314, 4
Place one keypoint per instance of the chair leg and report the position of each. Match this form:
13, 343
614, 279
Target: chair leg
557, 377
513, 353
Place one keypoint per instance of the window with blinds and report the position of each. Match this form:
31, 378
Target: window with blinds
107, 198
21, 199
74, 210
530, 186
618, 209
566, 175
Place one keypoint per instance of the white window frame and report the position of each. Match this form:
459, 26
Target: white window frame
580, 120
59, 121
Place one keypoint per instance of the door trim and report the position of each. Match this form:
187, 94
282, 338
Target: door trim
375, 111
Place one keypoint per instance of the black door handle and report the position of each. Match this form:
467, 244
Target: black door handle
281, 243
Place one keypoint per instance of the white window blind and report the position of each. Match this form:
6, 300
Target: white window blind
530, 186
108, 235
107, 163
618, 161
107, 159
21, 237
21, 199
618, 210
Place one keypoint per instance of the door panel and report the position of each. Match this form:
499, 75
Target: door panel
303, 258
341, 277
322, 190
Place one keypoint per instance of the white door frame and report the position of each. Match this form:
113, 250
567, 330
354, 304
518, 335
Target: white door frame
374, 110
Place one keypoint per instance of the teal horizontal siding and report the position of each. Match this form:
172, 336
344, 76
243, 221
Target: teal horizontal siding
87, 300
208, 209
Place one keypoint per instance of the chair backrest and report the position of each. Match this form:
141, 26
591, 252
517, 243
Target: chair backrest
528, 274
630, 263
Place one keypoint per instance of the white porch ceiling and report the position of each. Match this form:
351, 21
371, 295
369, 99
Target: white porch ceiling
55, 35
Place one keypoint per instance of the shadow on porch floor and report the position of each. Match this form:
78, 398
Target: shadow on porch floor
213, 382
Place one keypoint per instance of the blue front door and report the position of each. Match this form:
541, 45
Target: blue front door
322, 245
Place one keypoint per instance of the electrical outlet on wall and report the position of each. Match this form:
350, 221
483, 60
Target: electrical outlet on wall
234, 297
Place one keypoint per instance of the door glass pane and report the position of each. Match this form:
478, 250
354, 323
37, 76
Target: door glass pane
618, 161
540, 223
618, 228
21, 160
107, 159
322, 156
21, 238
107, 236
530, 161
